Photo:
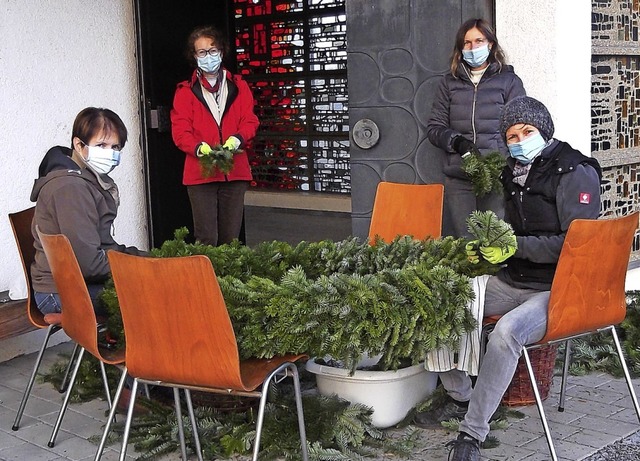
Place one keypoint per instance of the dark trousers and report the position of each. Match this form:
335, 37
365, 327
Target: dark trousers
217, 209
460, 201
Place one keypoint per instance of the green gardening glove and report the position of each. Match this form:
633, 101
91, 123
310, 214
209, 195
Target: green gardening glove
232, 143
471, 249
496, 255
203, 149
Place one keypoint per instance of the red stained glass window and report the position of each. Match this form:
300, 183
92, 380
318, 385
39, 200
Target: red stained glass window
293, 53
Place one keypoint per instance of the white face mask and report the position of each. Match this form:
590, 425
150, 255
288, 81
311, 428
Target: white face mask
209, 63
477, 56
103, 160
528, 149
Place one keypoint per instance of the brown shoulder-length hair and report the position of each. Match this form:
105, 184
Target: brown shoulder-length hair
495, 55
93, 120
216, 35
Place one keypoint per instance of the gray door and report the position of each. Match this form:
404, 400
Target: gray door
397, 52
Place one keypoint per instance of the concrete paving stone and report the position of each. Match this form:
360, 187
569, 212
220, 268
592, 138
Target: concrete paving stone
564, 448
594, 394
627, 415
9, 397
75, 423
27, 451
590, 407
592, 438
563, 417
618, 385
515, 437
506, 453
38, 407
620, 429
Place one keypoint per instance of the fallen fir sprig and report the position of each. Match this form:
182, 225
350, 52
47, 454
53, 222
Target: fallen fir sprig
484, 172
219, 160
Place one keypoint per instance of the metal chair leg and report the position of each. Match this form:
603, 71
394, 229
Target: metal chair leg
112, 414
127, 425
543, 417
623, 362
194, 423
298, 395
65, 378
105, 381
176, 399
27, 392
565, 373
65, 402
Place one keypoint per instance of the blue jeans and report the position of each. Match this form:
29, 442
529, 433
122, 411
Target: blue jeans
523, 321
49, 303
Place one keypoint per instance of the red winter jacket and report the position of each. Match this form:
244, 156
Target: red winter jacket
193, 123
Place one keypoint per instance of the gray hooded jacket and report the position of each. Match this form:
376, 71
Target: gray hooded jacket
72, 201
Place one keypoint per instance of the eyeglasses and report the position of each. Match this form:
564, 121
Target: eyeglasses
211, 52
478, 42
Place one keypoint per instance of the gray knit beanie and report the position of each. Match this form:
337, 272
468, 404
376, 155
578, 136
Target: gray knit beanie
529, 111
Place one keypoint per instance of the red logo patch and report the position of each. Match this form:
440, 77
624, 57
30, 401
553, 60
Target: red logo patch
585, 198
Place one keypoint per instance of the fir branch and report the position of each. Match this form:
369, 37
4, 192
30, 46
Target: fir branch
219, 160
484, 172
489, 230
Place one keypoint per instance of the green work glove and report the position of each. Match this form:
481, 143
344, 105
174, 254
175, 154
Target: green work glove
232, 143
203, 149
471, 249
496, 255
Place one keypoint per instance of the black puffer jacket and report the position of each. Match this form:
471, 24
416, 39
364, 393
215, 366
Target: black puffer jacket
462, 108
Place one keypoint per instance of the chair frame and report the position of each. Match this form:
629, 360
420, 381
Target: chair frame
230, 376
21, 226
560, 332
78, 317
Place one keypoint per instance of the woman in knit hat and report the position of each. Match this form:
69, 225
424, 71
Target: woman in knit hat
465, 117
547, 184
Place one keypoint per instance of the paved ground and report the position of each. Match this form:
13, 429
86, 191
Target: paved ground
598, 424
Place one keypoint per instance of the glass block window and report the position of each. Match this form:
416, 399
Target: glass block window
615, 104
293, 54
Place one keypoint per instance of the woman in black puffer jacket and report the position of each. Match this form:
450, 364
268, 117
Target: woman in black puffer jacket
465, 117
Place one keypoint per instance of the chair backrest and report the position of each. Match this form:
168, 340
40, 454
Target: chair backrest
78, 317
588, 290
21, 226
407, 209
176, 323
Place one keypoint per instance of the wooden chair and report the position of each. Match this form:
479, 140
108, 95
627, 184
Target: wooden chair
406, 209
79, 320
21, 226
587, 295
179, 334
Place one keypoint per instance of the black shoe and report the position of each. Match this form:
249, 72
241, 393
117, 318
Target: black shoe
433, 419
464, 448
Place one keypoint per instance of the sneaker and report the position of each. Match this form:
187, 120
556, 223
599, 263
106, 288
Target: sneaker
433, 419
464, 448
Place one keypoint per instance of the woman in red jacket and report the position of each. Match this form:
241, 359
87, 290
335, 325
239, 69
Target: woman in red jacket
213, 108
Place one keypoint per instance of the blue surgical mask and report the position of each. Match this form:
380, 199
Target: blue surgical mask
103, 160
525, 151
209, 63
477, 56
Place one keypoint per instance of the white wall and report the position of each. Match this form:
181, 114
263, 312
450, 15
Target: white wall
549, 44
57, 57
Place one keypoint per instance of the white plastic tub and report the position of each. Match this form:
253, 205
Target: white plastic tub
391, 394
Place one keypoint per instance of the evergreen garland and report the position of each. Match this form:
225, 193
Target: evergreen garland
484, 172
343, 299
